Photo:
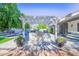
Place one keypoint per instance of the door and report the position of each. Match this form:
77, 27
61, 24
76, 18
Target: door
64, 29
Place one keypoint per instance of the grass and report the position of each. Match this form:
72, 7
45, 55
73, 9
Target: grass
3, 40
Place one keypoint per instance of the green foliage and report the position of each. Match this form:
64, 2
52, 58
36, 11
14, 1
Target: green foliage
27, 25
51, 30
20, 38
9, 16
61, 40
42, 26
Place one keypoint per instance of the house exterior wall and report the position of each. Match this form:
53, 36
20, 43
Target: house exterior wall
72, 26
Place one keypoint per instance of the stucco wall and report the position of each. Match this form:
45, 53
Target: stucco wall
72, 26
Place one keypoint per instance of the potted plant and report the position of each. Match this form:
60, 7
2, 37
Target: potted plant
60, 41
19, 41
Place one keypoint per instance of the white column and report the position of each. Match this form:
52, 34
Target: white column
56, 29
56, 26
23, 25
23, 28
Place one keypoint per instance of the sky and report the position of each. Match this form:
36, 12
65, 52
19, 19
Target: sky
48, 9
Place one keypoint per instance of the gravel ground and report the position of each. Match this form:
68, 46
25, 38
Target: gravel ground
37, 53
42, 44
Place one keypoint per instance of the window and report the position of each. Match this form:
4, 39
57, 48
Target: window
78, 27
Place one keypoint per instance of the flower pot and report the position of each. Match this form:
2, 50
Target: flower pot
60, 44
19, 44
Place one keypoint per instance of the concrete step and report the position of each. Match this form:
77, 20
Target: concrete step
73, 36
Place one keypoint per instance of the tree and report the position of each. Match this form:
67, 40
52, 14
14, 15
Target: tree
42, 26
9, 16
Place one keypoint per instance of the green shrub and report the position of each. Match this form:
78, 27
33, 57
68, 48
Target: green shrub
27, 25
51, 30
61, 40
20, 38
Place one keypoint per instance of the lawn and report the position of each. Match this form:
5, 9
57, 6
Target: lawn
3, 40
